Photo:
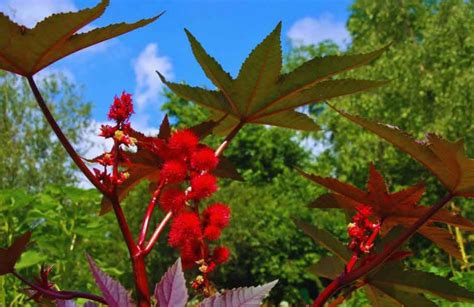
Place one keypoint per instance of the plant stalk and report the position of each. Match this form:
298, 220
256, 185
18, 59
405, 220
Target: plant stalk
148, 214
63, 139
62, 295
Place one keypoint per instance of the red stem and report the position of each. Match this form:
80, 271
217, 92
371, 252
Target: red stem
64, 141
345, 279
136, 256
62, 295
229, 138
156, 234
148, 214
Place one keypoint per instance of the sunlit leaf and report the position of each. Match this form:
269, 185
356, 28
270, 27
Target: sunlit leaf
261, 94
26, 51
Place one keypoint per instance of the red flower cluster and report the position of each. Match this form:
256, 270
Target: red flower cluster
361, 230
120, 111
187, 180
122, 108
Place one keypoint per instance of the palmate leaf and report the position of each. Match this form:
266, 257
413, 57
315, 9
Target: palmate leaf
9, 256
26, 51
261, 94
171, 290
446, 160
248, 296
399, 208
113, 292
392, 285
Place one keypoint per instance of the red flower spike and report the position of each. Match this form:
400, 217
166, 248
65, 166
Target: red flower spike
204, 159
212, 232
173, 200
221, 254
122, 108
183, 142
185, 227
174, 171
217, 214
107, 131
203, 186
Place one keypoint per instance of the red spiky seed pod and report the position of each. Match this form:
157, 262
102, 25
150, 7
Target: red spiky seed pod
212, 232
191, 251
221, 254
186, 226
204, 159
173, 200
183, 142
174, 171
203, 186
217, 214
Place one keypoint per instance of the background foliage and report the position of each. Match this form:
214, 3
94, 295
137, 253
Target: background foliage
430, 68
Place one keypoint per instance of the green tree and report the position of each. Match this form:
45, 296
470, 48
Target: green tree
65, 226
430, 67
31, 157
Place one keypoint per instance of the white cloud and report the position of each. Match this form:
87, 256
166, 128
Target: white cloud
55, 72
29, 12
311, 30
145, 66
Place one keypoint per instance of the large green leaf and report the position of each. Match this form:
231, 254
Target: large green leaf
260, 94
26, 51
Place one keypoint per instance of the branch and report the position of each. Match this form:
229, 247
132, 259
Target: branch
148, 214
229, 138
122, 221
64, 141
156, 234
390, 248
62, 295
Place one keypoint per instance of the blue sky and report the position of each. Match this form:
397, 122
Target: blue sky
228, 29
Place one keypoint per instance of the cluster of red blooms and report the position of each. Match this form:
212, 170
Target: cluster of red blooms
120, 112
187, 179
361, 230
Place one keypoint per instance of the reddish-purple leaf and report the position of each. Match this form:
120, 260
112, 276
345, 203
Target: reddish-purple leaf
68, 303
251, 296
114, 293
171, 290
10, 255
